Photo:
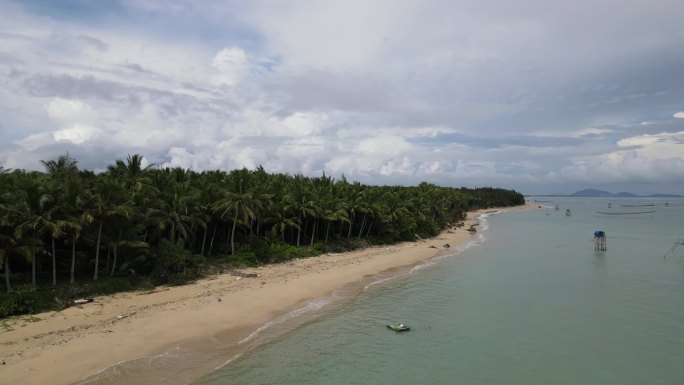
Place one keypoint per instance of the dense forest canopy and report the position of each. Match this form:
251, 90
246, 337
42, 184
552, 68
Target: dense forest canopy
67, 224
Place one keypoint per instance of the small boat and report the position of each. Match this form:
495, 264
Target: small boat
398, 327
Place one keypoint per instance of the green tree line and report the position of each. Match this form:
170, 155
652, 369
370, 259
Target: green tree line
65, 224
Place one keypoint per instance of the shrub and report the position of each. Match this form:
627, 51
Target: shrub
174, 264
23, 299
283, 252
244, 259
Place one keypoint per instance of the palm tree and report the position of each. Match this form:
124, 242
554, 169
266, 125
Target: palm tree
35, 216
7, 223
74, 220
238, 201
298, 200
106, 199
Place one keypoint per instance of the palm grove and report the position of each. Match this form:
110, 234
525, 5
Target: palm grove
162, 225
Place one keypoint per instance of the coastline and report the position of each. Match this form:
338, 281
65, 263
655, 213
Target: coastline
67, 346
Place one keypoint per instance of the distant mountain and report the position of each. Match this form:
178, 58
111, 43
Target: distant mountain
594, 193
590, 192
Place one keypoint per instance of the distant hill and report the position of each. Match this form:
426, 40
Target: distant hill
590, 192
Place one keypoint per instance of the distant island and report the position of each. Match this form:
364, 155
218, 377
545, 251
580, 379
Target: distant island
594, 193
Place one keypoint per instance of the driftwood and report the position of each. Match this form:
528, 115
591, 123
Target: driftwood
83, 300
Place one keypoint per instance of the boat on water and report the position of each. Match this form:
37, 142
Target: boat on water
398, 327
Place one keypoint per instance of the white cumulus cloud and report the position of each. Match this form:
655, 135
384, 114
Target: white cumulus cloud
66, 110
76, 134
230, 65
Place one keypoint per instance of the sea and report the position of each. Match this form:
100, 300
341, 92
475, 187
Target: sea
528, 300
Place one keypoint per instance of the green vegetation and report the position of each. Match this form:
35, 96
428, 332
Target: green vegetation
63, 230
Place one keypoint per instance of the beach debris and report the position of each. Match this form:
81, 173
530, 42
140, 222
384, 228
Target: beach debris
241, 274
122, 316
472, 228
83, 301
432, 247
446, 246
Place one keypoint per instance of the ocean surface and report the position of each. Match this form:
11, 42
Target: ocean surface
528, 301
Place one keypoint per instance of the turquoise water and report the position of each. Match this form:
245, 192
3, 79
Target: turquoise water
530, 302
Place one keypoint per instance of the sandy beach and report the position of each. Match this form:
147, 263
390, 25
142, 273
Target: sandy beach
66, 346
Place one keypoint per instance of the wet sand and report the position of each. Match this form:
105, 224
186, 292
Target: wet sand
67, 346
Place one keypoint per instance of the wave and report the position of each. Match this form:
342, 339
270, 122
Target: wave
310, 307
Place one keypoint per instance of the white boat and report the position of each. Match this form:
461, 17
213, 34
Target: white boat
398, 327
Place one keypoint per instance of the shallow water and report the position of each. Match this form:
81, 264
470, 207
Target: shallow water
533, 303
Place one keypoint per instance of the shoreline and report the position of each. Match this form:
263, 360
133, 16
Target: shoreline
74, 344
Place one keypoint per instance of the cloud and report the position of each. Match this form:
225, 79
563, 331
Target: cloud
230, 65
383, 92
76, 134
64, 110
645, 158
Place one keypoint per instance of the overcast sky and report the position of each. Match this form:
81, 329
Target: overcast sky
541, 96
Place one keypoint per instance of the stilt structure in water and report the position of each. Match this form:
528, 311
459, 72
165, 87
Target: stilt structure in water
679, 242
599, 240
567, 213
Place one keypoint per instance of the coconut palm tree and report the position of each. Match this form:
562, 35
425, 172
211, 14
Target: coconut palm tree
237, 202
106, 199
299, 201
35, 216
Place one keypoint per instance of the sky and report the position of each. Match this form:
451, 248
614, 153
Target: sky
539, 96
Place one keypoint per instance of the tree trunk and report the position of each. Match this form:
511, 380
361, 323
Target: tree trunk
370, 226
97, 251
114, 251
33, 265
114, 261
73, 257
363, 222
204, 240
313, 232
211, 244
109, 252
7, 273
232, 233
327, 231
54, 263
299, 233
